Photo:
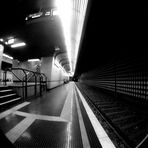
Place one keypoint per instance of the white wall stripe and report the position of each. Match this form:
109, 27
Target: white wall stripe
18, 130
6, 113
100, 132
84, 136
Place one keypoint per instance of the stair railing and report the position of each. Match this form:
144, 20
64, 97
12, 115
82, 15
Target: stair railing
24, 79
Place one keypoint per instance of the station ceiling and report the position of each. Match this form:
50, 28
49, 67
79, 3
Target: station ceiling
43, 35
109, 33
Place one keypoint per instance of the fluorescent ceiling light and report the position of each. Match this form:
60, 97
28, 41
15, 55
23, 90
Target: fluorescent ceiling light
72, 15
33, 60
57, 49
1, 40
47, 13
18, 45
55, 12
64, 10
7, 56
35, 16
11, 41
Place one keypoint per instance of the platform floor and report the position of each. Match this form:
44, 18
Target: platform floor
61, 118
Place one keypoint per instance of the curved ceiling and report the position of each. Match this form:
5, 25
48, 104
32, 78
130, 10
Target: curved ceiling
33, 22
42, 35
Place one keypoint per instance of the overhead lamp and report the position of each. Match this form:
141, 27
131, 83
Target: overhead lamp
47, 13
33, 60
11, 41
7, 56
55, 12
57, 49
35, 15
18, 45
64, 10
1, 40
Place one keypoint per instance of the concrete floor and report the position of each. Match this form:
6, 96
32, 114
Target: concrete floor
60, 118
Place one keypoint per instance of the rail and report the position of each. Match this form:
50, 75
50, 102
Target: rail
25, 77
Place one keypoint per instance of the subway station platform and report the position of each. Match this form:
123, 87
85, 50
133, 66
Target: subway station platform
61, 118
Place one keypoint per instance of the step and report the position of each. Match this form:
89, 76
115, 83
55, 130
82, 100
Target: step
7, 97
6, 92
10, 101
5, 87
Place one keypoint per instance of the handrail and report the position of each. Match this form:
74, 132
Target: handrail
24, 70
24, 80
16, 76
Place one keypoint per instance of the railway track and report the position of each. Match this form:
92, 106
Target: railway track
128, 123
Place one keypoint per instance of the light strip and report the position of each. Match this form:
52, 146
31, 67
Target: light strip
18, 45
33, 60
11, 41
1, 40
7, 56
35, 16
80, 28
47, 13
64, 8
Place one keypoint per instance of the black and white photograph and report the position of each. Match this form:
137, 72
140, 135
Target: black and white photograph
73, 74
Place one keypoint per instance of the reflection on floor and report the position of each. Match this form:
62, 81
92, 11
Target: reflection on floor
60, 118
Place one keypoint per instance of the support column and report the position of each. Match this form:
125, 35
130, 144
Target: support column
1, 54
46, 68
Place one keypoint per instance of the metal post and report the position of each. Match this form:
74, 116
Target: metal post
46, 83
35, 88
25, 86
5, 78
40, 85
23, 91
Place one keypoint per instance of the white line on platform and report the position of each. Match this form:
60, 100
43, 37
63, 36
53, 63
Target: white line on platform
100, 132
84, 136
18, 130
6, 113
66, 112
41, 117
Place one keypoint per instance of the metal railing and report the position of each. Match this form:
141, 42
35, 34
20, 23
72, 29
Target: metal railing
23, 79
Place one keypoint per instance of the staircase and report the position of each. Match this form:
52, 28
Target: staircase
8, 97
